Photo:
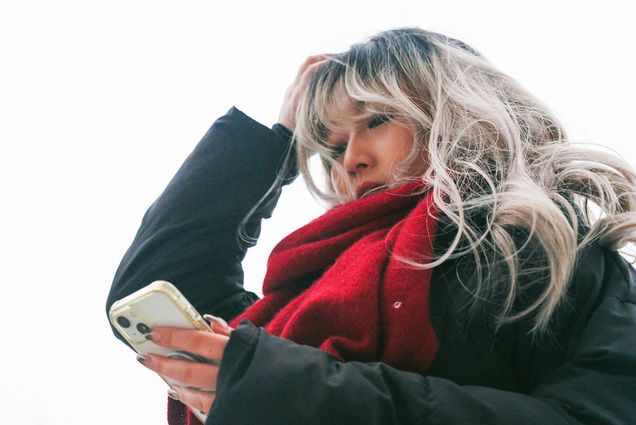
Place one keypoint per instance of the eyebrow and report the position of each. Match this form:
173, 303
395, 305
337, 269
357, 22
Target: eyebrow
329, 135
357, 119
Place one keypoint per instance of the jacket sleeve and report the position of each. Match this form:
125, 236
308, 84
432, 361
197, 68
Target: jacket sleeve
188, 236
271, 380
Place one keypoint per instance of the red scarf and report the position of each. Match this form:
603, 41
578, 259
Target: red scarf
338, 283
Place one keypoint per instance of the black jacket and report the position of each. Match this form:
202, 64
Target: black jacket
582, 372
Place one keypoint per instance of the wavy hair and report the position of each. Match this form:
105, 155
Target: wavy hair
491, 146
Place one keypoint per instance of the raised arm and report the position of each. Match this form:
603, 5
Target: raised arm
188, 236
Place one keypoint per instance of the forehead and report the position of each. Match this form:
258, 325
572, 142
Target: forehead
339, 106
340, 112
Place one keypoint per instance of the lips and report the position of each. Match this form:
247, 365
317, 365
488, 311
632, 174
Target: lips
365, 187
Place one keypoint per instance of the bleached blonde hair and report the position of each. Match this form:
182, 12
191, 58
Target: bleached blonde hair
491, 146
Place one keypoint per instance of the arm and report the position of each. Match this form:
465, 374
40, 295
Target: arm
277, 381
188, 235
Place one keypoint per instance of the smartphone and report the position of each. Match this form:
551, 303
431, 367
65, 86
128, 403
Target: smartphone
158, 304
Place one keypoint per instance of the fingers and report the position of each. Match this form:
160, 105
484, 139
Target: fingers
218, 325
199, 400
193, 382
313, 60
204, 343
189, 374
287, 116
309, 67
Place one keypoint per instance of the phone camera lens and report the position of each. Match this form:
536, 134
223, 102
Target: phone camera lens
143, 328
123, 322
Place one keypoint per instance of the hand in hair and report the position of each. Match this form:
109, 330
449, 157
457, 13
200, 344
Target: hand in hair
288, 109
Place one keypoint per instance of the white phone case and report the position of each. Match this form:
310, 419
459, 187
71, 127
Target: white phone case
158, 304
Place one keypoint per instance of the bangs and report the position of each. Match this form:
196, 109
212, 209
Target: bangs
386, 74
338, 109
342, 96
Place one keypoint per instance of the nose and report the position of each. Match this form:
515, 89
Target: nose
357, 156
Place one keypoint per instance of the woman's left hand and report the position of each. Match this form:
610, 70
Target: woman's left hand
197, 380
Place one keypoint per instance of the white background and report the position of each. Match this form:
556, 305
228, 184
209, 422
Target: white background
100, 102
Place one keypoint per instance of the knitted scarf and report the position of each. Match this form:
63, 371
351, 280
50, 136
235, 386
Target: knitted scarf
339, 284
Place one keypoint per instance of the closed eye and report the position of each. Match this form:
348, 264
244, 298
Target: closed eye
378, 120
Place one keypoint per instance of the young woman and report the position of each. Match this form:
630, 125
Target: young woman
460, 277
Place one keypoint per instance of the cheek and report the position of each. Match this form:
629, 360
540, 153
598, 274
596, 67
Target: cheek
400, 143
404, 150
396, 153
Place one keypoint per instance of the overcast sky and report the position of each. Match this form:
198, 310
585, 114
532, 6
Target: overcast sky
100, 102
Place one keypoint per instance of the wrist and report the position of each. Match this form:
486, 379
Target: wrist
283, 130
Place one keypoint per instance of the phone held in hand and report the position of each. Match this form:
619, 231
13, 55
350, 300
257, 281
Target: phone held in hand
158, 304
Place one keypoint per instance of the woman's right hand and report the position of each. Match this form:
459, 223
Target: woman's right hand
287, 115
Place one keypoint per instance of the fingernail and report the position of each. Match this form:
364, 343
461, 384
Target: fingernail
150, 336
217, 320
173, 394
144, 360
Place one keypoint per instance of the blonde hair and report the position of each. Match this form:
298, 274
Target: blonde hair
491, 146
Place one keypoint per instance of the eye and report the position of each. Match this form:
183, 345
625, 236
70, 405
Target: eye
336, 151
378, 120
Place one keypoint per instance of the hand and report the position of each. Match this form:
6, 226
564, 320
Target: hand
287, 115
197, 379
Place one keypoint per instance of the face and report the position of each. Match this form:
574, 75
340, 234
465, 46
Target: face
370, 151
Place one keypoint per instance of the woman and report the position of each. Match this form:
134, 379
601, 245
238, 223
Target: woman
460, 277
